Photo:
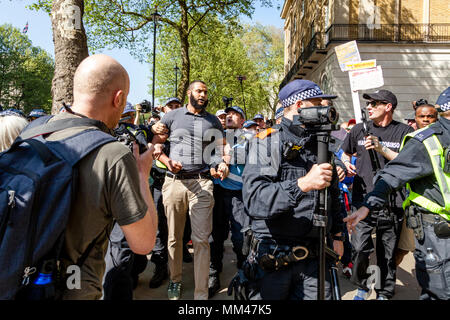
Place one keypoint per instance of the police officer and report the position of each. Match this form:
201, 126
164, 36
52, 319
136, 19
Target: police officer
36, 113
279, 115
259, 119
281, 193
424, 166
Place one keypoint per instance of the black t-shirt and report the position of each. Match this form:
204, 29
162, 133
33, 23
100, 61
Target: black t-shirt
390, 136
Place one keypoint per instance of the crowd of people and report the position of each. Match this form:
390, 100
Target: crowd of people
186, 177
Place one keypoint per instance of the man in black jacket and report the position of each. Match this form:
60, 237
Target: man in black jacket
427, 178
385, 138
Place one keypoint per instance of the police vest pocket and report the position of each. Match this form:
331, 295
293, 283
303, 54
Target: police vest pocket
289, 172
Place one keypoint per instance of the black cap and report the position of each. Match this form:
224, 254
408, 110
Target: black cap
382, 95
237, 109
172, 100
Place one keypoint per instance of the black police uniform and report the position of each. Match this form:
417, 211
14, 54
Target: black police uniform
413, 165
282, 215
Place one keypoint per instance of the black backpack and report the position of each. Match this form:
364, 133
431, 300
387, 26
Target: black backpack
37, 186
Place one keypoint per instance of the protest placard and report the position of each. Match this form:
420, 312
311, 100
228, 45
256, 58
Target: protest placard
365, 79
366, 64
347, 53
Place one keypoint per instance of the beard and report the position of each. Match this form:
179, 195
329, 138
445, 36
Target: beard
195, 104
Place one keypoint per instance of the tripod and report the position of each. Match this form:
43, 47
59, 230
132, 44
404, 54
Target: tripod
320, 121
320, 220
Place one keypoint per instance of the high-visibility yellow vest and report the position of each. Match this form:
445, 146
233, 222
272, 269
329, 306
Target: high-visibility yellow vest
160, 165
436, 153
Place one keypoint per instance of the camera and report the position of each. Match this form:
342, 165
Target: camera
146, 106
227, 101
127, 135
318, 116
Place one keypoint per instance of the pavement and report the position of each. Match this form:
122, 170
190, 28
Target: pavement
406, 288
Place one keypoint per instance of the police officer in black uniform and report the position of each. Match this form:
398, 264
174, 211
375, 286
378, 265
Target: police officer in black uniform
424, 167
281, 193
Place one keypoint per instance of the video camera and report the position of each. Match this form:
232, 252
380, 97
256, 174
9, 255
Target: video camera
318, 118
146, 106
127, 135
227, 101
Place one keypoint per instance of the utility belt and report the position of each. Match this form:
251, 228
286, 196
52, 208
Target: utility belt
272, 256
283, 256
415, 220
184, 176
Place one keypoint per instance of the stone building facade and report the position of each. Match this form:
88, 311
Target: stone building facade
410, 39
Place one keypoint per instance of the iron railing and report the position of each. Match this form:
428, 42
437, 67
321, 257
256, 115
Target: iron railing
408, 33
396, 33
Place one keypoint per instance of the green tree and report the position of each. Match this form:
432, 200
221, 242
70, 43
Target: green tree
128, 23
220, 53
265, 47
25, 72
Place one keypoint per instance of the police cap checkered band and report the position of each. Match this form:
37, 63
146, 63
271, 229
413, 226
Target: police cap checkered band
305, 95
444, 100
299, 89
445, 106
279, 113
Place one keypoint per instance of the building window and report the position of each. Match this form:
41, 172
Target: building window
325, 84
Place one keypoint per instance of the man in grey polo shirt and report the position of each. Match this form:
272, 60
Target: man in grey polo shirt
189, 186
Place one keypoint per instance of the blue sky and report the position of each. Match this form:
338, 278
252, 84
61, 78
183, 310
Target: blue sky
40, 33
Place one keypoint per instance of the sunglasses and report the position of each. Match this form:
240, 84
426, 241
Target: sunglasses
373, 104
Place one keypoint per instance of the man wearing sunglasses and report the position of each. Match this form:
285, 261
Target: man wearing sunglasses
385, 138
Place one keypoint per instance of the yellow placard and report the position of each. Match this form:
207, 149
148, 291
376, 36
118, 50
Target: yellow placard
347, 53
366, 64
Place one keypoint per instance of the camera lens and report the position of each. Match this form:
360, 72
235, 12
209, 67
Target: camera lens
333, 115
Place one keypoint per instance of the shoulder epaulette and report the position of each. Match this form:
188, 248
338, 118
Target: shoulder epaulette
423, 134
264, 134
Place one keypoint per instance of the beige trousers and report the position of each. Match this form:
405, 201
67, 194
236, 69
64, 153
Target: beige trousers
197, 196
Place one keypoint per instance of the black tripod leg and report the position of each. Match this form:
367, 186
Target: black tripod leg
335, 283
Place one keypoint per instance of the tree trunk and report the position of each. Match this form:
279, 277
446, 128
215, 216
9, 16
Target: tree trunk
185, 66
69, 38
185, 59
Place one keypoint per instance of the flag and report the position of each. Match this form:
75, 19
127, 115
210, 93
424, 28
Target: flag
25, 29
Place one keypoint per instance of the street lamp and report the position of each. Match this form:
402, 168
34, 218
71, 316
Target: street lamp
156, 17
176, 78
241, 78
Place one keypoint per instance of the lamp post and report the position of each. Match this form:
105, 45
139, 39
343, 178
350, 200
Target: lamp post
176, 78
156, 17
241, 78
